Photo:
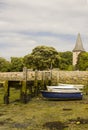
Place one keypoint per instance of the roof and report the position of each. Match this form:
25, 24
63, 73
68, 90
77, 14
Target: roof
79, 45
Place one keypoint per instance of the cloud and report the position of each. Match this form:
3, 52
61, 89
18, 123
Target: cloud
16, 45
25, 24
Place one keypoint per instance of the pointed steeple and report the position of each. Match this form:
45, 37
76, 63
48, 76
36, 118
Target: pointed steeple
79, 45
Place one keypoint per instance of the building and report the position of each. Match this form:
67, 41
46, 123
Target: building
78, 49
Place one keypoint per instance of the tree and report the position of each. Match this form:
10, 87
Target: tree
4, 65
66, 60
28, 61
42, 57
16, 64
82, 62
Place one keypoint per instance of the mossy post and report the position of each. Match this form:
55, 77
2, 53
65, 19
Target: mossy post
24, 86
30, 89
24, 92
43, 80
36, 84
6, 92
48, 78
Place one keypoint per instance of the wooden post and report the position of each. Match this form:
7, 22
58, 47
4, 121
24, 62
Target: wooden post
6, 94
25, 73
30, 90
44, 78
42, 82
24, 92
24, 86
51, 76
48, 78
36, 83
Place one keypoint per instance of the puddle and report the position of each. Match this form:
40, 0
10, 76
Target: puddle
2, 123
1, 114
20, 125
57, 125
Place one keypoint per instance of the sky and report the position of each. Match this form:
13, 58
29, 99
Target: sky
26, 24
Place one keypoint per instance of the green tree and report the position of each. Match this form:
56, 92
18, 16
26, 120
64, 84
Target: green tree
66, 60
16, 64
28, 61
4, 65
42, 57
82, 62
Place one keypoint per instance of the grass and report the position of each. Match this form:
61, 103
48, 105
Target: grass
41, 114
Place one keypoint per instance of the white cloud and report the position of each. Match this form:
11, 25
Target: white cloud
15, 45
23, 21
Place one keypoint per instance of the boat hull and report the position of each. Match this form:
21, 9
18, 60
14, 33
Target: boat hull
61, 96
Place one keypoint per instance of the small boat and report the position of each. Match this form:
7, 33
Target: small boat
62, 92
80, 86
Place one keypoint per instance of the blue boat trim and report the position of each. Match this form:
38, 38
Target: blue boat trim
56, 95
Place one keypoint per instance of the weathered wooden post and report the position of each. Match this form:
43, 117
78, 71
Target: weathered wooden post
24, 86
48, 77
30, 90
51, 76
43, 80
36, 83
6, 92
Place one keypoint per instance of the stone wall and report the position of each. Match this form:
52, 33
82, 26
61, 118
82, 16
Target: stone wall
76, 77
12, 76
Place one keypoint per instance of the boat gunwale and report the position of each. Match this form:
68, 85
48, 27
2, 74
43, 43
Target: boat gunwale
60, 91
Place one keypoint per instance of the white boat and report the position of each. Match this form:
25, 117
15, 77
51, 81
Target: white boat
80, 86
62, 92
65, 88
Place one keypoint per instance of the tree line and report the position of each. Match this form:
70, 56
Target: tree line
44, 58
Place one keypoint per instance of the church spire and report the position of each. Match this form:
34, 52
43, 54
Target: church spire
79, 45
78, 49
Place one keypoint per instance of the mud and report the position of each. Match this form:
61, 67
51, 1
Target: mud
57, 125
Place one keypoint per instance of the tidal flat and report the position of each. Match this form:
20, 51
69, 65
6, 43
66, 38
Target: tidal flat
43, 114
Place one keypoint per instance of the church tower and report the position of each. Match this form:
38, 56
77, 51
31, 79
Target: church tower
78, 48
